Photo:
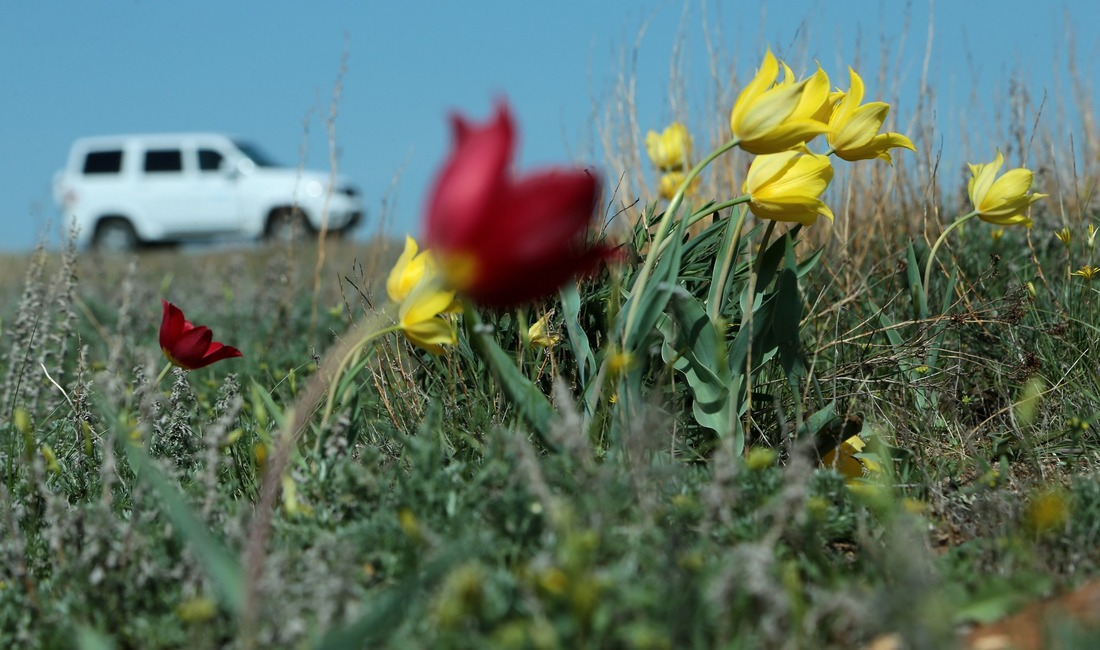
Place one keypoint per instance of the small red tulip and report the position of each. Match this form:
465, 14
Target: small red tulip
188, 346
504, 240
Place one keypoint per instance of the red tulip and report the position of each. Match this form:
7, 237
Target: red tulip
504, 240
188, 346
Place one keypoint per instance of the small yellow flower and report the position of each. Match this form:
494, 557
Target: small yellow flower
619, 362
1065, 236
786, 186
196, 610
539, 333
1091, 239
409, 270
420, 320
51, 459
769, 117
1003, 200
996, 234
760, 458
1087, 272
853, 128
669, 150
1049, 510
409, 524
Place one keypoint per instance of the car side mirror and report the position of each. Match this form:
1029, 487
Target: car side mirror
243, 167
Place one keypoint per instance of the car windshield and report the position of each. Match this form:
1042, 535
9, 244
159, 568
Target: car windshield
255, 154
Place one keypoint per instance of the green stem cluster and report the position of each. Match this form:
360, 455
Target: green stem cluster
663, 227
932, 253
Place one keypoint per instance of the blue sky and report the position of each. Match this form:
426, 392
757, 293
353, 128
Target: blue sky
262, 69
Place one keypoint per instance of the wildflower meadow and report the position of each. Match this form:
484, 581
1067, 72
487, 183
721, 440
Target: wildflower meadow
768, 386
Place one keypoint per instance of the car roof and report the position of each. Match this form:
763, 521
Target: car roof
97, 140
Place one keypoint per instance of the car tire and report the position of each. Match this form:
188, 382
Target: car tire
286, 224
115, 236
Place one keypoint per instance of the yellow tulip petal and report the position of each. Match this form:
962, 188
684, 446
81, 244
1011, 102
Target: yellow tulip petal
814, 101
788, 135
861, 127
1013, 183
766, 167
764, 78
982, 179
396, 286
432, 335
423, 303
768, 112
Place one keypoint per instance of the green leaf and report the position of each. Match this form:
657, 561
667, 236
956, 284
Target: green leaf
578, 338
89, 639
532, 405
387, 613
937, 342
657, 292
808, 264
221, 564
916, 284
697, 351
818, 420
787, 317
774, 256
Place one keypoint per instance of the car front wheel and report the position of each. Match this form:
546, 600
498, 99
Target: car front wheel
286, 224
115, 236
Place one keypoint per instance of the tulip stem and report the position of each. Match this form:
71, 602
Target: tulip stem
656, 248
932, 253
732, 245
352, 352
163, 374
703, 214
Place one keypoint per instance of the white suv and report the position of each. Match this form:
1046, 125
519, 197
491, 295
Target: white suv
123, 191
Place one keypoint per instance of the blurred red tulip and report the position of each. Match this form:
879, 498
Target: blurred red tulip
188, 346
502, 240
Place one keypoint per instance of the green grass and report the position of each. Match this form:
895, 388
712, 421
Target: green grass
426, 515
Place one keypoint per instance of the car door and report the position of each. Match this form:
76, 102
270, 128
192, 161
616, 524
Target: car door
166, 191
216, 201
179, 199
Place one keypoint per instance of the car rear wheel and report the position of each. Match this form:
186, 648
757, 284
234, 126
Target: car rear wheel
115, 236
286, 224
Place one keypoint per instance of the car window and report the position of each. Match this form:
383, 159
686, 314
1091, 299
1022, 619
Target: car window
255, 154
210, 160
103, 162
163, 160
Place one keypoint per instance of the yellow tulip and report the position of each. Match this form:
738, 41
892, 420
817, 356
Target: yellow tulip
853, 128
670, 149
539, 333
420, 320
670, 182
1003, 200
769, 117
844, 460
409, 270
786, 187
